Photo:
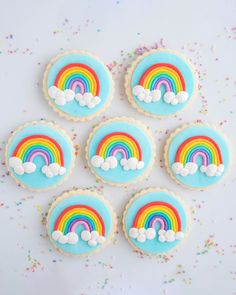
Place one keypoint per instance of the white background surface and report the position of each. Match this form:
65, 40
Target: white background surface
32, 32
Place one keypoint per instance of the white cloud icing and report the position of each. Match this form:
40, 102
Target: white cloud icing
21, 168
92, 238
87, 99
169, 235
169, 97
70, 238
146, 95
191, 168
108, 163
212, 170
62, 97
29, 167
132, 164
142, 234
111, 163
53, 169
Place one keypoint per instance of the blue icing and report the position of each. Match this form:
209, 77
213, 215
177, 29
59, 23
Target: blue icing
73, 108
38, 180
199, 179
81, 247
118, 174
160, 107
154, 246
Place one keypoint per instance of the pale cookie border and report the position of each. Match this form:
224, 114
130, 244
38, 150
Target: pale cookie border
76, 191
140, 194
53, 125
138, 124
133, 66
55, 108
169, 141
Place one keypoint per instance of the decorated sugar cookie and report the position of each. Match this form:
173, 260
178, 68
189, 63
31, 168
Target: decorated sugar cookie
120, 150
161, 83
39, 155
77, 85
155, 221
80, 222
197, 155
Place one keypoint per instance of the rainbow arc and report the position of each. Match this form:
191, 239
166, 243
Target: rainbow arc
157, 218
70, 219
111, 146
191, 150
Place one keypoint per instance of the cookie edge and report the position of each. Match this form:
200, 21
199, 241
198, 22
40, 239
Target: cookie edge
138, 195
75, 191
178, 130
60, 112
144, 129
133, 66
51, 124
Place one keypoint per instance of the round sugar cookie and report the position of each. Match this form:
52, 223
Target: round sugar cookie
77, 85
39, 155
155, 221
197, 155
161, 83
120, 151
80, 222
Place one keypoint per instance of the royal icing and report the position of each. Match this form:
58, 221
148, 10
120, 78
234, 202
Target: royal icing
80, 222
155, 221
198, 156
161, 83
40, 155
120, 150
78, 84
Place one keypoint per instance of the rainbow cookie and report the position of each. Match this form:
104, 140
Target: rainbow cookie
160, 83
155, 221
39, 155
196, 155
120, 150
77, 85
80, 222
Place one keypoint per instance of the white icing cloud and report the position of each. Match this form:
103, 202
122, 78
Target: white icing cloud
111, 163
70, 238
212, 170
108, 163
169, 235
62, 97
53, 169
146, 95
29, 167
92, 238
21, 168
131, 164
191, 168
169, 97
87, 99
142, 234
